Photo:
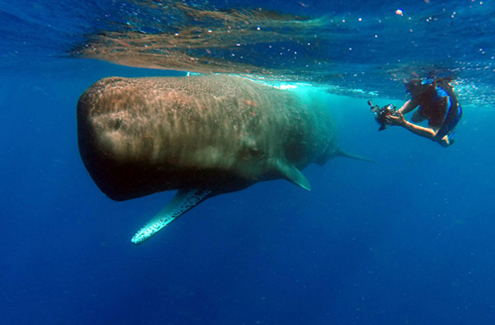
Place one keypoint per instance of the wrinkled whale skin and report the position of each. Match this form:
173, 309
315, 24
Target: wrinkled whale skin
145, 135
201, 135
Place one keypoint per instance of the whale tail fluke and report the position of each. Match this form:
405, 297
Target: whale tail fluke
342, 153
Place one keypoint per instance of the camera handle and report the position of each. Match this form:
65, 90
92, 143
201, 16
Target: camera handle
375, 108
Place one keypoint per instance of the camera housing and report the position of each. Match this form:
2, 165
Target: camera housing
382, 113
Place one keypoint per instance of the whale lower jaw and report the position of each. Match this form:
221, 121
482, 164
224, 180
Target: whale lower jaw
183, 201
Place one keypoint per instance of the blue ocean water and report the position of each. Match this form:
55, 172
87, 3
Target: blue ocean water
406, 241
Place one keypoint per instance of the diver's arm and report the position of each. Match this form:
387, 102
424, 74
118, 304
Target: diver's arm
399, 120
428, 133
409, 106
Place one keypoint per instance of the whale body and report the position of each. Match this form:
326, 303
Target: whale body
201, 135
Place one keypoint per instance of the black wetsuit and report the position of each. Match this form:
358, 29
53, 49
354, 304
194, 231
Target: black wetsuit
441, 113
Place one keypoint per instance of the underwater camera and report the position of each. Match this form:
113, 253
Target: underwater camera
382, 113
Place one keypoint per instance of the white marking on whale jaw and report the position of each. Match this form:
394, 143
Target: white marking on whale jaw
183, 201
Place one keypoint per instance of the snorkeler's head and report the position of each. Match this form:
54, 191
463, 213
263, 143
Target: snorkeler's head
417, 86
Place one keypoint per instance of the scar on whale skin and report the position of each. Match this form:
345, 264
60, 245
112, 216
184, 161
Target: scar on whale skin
201, 135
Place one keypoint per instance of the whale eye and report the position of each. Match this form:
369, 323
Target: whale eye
117, 124
256, 152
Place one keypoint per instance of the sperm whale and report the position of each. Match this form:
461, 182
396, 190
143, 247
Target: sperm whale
201, 135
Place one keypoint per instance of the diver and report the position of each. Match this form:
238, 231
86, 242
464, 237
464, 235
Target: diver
437, 103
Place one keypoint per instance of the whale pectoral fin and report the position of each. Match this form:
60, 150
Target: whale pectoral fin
292, 174
183, 201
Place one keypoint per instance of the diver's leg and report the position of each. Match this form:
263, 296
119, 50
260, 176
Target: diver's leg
445, 141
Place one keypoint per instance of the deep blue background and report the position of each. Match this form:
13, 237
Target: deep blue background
407, 241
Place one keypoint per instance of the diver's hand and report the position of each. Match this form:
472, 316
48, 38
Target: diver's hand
397, 119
